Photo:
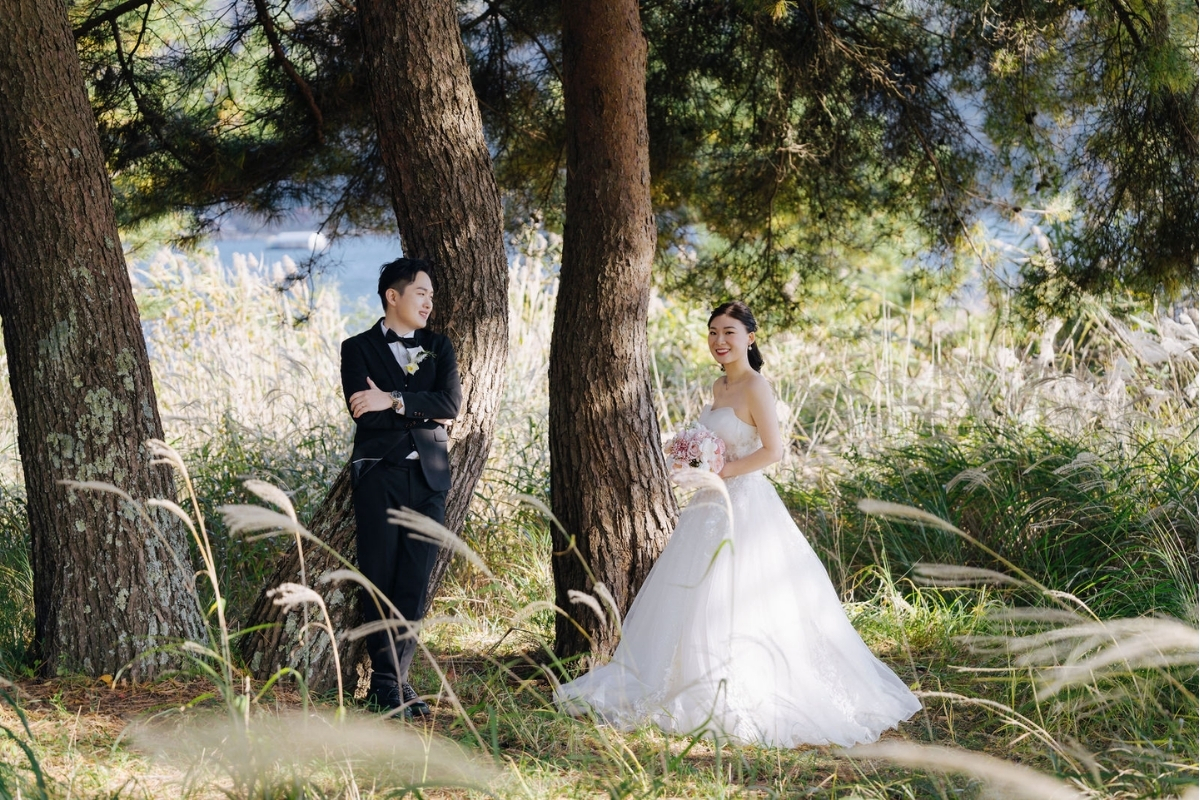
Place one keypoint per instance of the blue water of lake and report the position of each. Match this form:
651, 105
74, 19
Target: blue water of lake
351, 263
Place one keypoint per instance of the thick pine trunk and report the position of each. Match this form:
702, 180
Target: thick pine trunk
448, 209
447, 205
608, 479
105, 587
278, 643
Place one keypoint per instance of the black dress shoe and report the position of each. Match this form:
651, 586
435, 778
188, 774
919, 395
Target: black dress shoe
384, 697
414, 705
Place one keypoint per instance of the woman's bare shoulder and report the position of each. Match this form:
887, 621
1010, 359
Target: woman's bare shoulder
760, 387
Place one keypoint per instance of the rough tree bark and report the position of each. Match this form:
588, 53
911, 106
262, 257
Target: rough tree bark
608, 478
105, 587
448, 208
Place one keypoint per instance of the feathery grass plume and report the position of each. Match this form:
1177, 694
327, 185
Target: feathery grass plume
971, 477
537, 504
1006, 779
347, 574
542, 508
275, 495
279, 748
288, 596
896, 510
953, 575
98, 486
1085, 650
424, 529
272, 494
163, 453
529, 609
242, 519
604, 594
899, 511
175, 509
689, 478
583, 598
200, 650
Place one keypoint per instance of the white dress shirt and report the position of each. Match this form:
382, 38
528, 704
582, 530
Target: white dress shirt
404, 356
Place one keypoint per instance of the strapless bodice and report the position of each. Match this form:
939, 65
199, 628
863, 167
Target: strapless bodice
741, 438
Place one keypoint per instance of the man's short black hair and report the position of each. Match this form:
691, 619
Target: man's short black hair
400, 273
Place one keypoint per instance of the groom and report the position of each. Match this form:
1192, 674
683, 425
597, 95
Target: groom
401, 386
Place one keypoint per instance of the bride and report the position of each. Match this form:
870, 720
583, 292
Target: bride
738, 631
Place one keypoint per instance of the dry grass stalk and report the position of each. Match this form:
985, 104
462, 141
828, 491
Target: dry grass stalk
425, 529
280, 745
1004, 779
1086, 650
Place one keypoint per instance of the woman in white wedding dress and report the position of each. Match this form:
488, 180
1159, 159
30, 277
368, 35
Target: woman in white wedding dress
737, 631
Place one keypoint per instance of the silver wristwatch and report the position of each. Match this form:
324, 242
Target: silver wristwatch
397, 401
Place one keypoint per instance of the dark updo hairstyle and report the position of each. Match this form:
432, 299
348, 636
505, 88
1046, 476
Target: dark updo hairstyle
741, 312
400, 273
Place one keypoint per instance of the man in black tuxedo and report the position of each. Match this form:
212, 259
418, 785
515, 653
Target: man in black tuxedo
402, 388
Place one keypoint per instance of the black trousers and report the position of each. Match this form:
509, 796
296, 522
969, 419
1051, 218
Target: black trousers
397, 564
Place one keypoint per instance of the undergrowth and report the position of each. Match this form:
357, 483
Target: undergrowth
1112, 522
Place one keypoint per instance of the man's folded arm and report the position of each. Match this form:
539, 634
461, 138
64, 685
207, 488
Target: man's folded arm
444, 400
354, 379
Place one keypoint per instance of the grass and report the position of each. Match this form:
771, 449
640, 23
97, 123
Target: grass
1026, 442
1113, 523
16, 582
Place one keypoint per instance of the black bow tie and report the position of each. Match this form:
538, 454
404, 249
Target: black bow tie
406, 341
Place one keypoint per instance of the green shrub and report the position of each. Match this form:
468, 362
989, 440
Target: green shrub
1111, 521
16, 584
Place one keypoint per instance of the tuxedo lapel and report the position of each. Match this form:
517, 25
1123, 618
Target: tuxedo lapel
428, 367
396, 376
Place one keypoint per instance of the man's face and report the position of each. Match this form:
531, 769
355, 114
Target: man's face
411, 309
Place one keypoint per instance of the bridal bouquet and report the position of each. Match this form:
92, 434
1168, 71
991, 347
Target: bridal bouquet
697, 447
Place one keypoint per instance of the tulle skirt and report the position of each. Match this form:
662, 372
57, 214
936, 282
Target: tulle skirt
739, 633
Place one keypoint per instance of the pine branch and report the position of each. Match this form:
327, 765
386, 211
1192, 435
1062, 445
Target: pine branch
268, 24
91, 23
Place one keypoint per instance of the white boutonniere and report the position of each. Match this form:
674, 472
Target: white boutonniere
415, 356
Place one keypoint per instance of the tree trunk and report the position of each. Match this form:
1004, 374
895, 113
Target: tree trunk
105, 587
448, 209
608, 478
278, 644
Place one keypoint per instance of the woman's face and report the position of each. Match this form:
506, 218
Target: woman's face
728, 340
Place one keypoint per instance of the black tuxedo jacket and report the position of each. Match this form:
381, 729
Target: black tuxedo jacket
432, 392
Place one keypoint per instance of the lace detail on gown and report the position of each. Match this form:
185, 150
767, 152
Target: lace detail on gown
738, 631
